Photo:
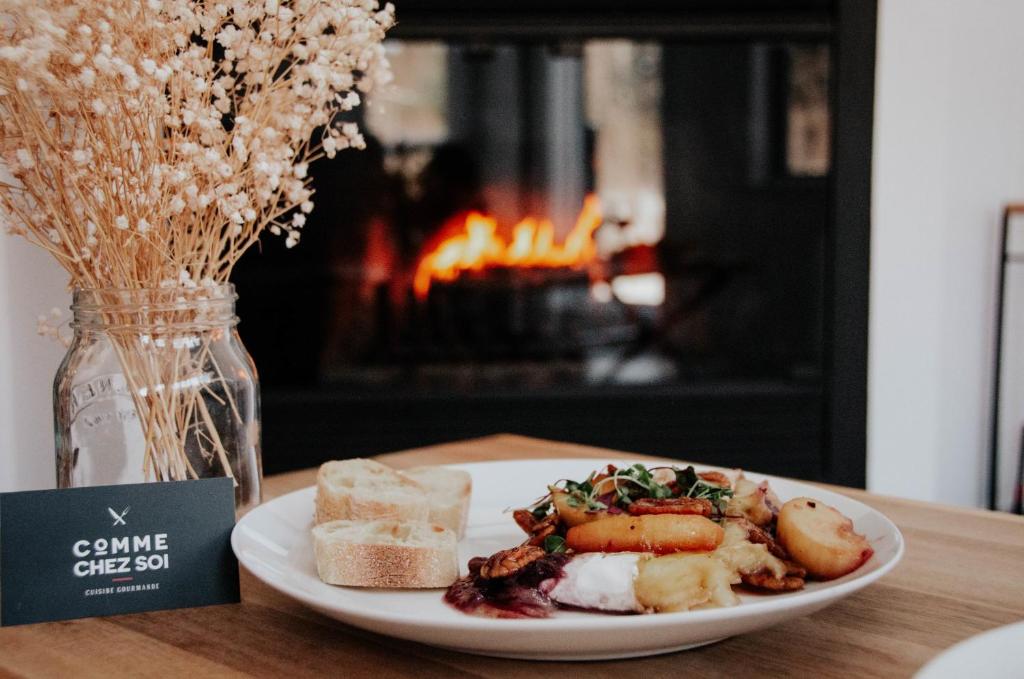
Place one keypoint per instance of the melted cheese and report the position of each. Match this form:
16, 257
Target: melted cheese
679, 582
749, 500
743, 556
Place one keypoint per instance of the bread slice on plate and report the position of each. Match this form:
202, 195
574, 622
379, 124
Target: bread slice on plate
449, 491
385, 553
364, 489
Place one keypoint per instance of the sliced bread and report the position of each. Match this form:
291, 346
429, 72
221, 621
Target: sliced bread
449, 492
364, 489
413, 554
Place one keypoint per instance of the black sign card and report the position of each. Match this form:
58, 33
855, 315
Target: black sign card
116, 549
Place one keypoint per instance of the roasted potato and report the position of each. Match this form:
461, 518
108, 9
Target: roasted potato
717, 478
658, 533
821, 539
573, 516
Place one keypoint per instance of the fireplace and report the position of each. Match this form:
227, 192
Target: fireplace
644, 230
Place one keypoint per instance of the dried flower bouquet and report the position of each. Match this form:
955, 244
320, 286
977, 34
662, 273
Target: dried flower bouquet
148, 144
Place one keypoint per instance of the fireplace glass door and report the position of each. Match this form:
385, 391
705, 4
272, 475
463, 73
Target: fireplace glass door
613, 241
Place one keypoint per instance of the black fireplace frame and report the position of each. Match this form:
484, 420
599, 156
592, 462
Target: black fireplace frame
849, 26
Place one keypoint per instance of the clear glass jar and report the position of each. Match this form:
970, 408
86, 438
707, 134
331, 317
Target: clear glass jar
156, 386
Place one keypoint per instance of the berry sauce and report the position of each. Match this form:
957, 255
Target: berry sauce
517, 596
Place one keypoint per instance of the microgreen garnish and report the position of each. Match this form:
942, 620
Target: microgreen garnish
623, 486
553, 544
541, 510
584, 494
691, 485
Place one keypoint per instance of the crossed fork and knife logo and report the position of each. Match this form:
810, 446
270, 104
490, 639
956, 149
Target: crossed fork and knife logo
119, 518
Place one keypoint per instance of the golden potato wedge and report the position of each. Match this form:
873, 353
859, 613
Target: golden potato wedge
657, 533
821, 539
573, 516
717, 478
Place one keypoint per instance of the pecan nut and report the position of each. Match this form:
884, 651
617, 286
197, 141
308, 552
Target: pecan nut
674, 505
543, 528
510, 561
524, 519
759, 536
764, 579
538, 538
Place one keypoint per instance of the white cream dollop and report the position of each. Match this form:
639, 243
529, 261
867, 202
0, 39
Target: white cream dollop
601, 582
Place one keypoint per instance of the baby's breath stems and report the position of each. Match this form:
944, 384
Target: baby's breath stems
150, 143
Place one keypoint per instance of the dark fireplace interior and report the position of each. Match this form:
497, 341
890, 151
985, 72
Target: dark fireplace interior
645, 231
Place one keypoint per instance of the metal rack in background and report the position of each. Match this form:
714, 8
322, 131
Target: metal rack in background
1006, 258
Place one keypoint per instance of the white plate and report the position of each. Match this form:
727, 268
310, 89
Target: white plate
273, 542
996, 654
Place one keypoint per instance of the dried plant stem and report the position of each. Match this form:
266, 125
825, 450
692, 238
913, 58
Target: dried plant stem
169, 388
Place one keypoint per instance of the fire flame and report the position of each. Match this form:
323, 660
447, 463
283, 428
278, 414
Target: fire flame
479, 245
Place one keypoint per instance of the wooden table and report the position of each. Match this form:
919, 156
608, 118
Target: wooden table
963, 573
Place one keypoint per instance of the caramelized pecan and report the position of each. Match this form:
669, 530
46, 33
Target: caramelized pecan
759, 536
524, 518
537, 530
510, 561
794, 569
476, 563
764, 579
543, 529
674, 505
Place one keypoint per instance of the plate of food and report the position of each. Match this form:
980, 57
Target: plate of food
995, 653
564, 559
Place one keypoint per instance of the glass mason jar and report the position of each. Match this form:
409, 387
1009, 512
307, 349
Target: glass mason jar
156, 386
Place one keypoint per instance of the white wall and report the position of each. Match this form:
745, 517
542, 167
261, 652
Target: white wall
30, 283
948, 153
